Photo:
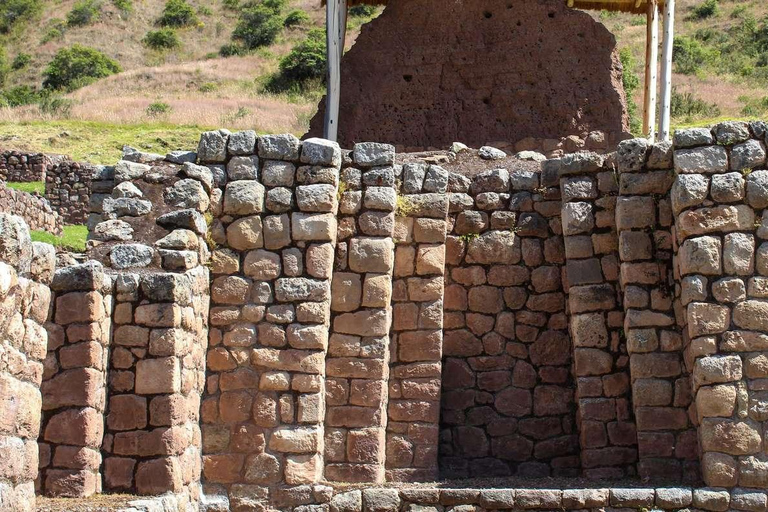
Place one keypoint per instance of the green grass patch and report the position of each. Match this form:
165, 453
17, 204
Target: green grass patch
72, 239
97, 142
30, 187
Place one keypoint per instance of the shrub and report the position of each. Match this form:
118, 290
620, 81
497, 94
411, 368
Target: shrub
366, 11
4, 67
631, 82
204, 11
126, 6
177, 13
21, 95
257, 26
689, 55
307, 60
687, 107
77, 66
158, 108
274, 5
84, 12
231, 4
232, 50
21, 61
56, 29
54, 105
208, 87
13, 12
163, 39
706, 10
295, 18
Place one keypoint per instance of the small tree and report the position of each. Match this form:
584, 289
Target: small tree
17, 11
77, 66
163, 39
296, 18
21, 61
258, 26
307, 59
84, 12
177, 13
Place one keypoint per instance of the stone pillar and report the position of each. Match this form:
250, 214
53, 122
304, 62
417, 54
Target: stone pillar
157, 363
75, 381
660, 387
606, 429
413, 426
265, 400
26, 269
719, 196
358, 353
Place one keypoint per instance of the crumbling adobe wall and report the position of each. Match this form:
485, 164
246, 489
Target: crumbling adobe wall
25, 272
425, 74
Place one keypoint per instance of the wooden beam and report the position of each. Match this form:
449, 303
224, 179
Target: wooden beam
651, 70
336, 28
666, 69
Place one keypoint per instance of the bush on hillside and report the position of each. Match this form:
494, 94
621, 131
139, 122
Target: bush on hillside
77, 66
21, 61
686, 107
13, 12
362, 11
231, 4
126, 6
232, 50
631, 82
274, 5
706, 10
84, 12
304, 66
158, 108
21, 95
55, 30
296, 18
5, 68
163, 39
258, 26
177, 13
688, 55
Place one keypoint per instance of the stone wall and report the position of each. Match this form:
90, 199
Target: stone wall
24, 167
407, 82
381, 318
25, 271
68, 189
35, 210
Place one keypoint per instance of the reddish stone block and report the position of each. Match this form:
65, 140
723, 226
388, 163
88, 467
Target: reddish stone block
69, 483
118, 472
159, 476
127, 412
78, 427
79, 307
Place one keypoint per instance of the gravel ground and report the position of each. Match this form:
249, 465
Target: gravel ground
96, 503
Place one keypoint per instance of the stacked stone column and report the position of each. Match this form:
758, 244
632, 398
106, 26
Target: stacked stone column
417, 338
719, 196
263, 418
660, 386
606, 430
152, 440
358, 354
75, 382
26, 269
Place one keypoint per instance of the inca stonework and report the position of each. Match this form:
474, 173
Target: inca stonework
266, 319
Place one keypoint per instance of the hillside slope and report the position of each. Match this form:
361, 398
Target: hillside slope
193, 87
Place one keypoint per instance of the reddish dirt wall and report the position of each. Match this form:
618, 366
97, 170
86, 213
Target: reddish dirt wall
430, 72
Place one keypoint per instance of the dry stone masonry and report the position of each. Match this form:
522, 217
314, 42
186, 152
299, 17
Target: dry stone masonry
35, 210
23, 167
379, 318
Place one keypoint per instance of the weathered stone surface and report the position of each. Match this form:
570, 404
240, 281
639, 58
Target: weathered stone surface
279, 147
704, 160
404, 102
757, 189
690, 137
689, 190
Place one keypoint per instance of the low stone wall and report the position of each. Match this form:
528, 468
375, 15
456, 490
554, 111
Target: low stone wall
24, 167
25, 271
68, 188
35, 210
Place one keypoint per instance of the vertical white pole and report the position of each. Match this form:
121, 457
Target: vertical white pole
336, 26
651, 70
666, 69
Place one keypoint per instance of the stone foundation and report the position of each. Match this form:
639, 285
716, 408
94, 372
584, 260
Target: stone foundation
378, 318
35, 210
24, 167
